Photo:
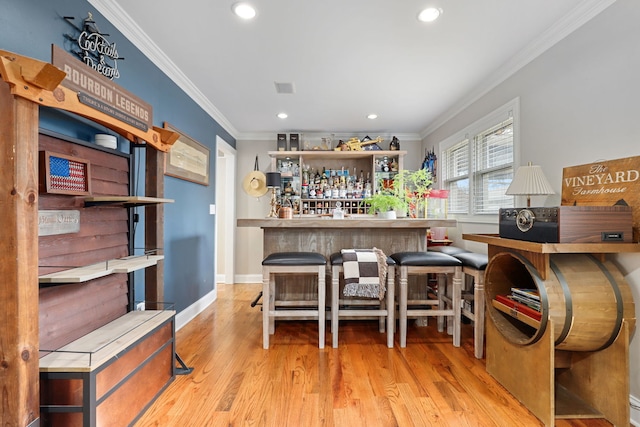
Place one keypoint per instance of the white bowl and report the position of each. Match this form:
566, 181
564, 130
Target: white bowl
107, 141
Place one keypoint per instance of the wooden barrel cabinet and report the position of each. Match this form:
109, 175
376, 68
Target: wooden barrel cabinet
574, 361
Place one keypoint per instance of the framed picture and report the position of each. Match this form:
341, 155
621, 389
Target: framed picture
187, 159
62, 174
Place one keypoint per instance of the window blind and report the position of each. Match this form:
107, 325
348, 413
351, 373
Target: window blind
456, 176
493, 172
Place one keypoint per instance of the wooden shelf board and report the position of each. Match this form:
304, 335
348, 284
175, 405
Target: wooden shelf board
101, 269
569, 406
332, 154
95, 348
516, 314
125, 200
129, 264
553, 248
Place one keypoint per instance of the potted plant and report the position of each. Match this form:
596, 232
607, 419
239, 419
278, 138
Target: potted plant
385, 204
413, 187
409, 188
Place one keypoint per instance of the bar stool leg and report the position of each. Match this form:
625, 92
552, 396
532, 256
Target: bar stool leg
322, 290
266, 306
335, 304
478, 314
404, 272
455, 302
391, 305
443, 281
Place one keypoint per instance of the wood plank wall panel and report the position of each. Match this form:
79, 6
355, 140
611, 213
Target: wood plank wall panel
70, 311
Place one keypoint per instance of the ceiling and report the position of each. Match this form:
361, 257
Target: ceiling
345, 58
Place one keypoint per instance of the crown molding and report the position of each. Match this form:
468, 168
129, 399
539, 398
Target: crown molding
130, 29
580, 15
317, 136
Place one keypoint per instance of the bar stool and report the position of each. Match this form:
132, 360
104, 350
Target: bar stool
291, 263
474, 265
386, 308
420, 263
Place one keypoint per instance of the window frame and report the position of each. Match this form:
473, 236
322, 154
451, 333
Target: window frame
509, 110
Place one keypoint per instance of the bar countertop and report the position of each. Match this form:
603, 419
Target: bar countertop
359, 222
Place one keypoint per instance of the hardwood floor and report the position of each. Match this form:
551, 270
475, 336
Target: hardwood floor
362, 383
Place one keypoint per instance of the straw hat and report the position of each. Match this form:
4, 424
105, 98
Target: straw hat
255, 184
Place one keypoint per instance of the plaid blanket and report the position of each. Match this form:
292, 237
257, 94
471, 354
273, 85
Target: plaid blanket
365, 273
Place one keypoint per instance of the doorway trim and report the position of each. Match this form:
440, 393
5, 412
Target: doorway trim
225, 210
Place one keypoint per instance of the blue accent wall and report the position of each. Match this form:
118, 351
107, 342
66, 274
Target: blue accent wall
29, 28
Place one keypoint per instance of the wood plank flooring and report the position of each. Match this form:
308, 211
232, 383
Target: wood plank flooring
362, 383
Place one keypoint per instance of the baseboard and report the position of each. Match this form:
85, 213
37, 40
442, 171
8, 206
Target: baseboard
248, 278
635, 410
220, 278
189, 313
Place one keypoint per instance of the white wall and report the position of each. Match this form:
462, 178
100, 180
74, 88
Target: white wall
578, 104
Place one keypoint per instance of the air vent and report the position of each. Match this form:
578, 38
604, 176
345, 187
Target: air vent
284, 87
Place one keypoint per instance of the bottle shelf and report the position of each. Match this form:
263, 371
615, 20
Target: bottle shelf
326, 206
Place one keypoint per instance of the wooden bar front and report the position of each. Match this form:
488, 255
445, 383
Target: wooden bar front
327, 236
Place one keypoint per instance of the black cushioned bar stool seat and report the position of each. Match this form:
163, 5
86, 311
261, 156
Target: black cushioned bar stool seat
386, 308
292, 263
449, 250
474, 265
424, 263
295, 258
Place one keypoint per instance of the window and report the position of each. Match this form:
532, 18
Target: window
478, 163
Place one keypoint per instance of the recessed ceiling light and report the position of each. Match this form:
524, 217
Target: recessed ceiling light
372, 116
244, 10
429, 14
282, 115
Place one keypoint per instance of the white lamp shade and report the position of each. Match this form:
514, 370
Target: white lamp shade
529, 180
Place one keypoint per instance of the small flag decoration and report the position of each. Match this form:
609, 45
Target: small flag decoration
67, 175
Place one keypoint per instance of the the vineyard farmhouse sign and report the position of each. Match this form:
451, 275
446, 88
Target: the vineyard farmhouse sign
604, 183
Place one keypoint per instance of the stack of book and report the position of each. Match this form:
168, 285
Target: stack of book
523, 301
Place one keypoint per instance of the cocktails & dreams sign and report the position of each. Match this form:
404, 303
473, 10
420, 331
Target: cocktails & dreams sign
95, 49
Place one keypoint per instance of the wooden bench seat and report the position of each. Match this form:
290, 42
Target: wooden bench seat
111, 375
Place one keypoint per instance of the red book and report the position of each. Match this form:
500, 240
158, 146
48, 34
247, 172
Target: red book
520, 308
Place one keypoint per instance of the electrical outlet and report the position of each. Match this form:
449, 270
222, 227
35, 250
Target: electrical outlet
140, 306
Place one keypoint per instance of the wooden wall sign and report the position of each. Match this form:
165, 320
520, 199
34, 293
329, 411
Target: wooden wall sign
99, 92
55, 222
604, 183
41, 83
188, 159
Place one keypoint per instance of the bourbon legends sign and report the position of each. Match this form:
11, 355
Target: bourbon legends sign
101, 93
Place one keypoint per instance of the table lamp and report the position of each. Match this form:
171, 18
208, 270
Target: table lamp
529, 180
273, 182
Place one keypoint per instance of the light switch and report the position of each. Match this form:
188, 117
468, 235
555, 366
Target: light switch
212, 209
